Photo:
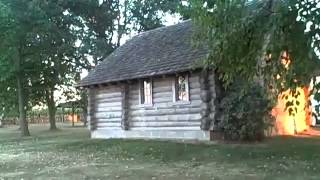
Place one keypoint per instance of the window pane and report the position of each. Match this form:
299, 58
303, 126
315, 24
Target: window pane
181, 88
146, 92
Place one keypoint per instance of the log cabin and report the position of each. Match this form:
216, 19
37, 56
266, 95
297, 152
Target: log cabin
154, 86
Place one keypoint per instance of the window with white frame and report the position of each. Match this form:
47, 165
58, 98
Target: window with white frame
146, 91
181, 88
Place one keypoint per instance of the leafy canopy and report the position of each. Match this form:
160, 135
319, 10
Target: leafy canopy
252, 38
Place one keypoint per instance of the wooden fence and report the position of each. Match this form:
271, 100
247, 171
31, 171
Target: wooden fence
37, 119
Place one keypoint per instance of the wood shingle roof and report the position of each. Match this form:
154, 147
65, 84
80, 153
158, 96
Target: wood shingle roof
164, 50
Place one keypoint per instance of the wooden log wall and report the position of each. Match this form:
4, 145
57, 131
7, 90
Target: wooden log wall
106, 107
164, 113
118, 106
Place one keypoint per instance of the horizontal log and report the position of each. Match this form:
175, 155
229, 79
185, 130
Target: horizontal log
159, 89
191, 104
136, 106
163, 94
163, 99
110, 114
108, 100
114, 120
163, 82
188, 117
166, 128
108, 95
113, 104
165, 124
111, 120
108, 128
107, 88
107, 109
142, 112
108, 124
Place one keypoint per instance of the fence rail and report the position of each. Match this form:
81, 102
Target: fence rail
38, 120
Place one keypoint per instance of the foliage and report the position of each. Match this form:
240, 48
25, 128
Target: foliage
105, 23
255, 33
18, 21
42, 50
45, 44
148, 15
247, 116
271, 42
8, 99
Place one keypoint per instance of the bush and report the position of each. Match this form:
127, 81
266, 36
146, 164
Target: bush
245, 114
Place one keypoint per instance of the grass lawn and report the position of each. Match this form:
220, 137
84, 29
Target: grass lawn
70, 154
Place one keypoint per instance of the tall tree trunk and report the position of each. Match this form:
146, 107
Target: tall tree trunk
73, 115
63, 115
262, 61
51, 108
122, 28
22, 107
85, 114
1, 121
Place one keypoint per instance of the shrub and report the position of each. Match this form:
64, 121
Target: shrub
245, 114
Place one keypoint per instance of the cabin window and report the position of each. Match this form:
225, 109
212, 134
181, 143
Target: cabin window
181, 88
146, 91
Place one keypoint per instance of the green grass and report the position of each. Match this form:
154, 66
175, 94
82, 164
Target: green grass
71, 154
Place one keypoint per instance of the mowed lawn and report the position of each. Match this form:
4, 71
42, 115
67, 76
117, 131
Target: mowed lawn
71, 154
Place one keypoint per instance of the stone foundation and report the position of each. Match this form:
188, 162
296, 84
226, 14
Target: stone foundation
151, 134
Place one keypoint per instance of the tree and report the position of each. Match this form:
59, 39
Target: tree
107, 22
269, 42
58, 55
147, 15
15, 51
256, 33
43, 50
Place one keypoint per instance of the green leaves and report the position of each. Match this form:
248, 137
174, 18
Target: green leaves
241, 33
271, 42
244, 116
38, 45
49, 42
